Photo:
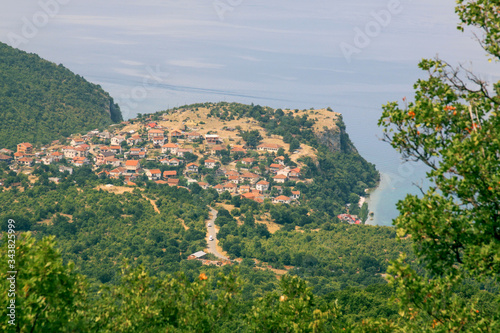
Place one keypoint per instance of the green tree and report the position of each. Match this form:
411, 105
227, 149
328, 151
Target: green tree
294, 145
210, 179
49, 296
141, 301
252, 138
249, 219
453, 127
225, 196
291, 310
190, 157
59, 103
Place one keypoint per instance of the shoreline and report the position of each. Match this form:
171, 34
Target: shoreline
393, 187
374, 197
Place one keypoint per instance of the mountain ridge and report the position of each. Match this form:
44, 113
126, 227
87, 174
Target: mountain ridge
41, 101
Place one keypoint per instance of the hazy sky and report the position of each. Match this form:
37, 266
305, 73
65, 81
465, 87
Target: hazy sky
153, 54
157, 53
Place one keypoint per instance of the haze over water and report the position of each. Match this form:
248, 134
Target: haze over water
155, 54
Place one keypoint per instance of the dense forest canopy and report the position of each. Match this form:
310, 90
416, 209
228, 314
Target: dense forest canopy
41, 101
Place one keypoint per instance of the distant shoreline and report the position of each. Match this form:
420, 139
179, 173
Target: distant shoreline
374, 197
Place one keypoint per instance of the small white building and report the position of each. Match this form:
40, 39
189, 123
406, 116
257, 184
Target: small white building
192, 167
169, 148
212, 139
262, 186
210, 164
280, 179
117, 140
269, 147
282, 199
153, 174
154, 133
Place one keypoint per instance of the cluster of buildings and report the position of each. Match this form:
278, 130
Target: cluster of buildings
351, 219
121, 155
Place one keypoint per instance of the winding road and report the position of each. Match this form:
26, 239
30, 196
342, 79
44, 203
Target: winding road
212, 244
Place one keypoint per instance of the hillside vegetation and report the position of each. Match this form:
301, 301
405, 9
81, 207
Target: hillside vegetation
100, 227
41, 101
314, 273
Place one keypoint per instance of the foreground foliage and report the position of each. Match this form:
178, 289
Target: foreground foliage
52, 298
49, 296
453, 126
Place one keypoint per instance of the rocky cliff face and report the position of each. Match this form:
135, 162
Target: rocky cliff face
336, 138
114, 111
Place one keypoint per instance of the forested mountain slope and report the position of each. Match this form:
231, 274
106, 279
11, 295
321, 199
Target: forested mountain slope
41, 101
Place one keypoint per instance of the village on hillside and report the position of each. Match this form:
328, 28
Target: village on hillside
171, 157
182, 155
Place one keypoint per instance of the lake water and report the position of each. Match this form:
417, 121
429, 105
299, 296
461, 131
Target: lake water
353, 56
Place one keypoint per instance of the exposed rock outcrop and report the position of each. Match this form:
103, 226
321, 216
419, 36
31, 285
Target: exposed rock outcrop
336, 138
